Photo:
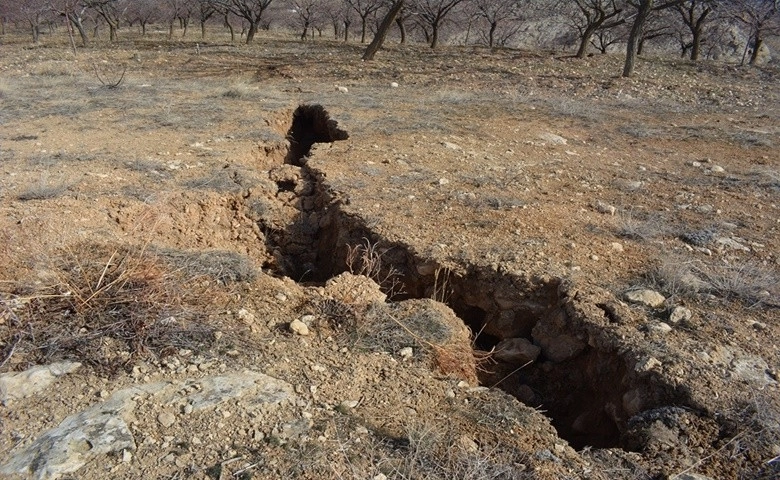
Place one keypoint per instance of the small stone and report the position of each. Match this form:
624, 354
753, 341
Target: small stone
517, 350
308, 319
679, 314
104, 394
281, 297
361, 430
594, 257
468, 444
187, 409
717, 169
443, 181
606, 208
759, 326
647, 364
127, 457
553, 138
166, 419
406, 353
246, 315
298, 327
393, 84
617, 247
451, 146
348, 405
659, 328
379, 476
646, 297
342, 89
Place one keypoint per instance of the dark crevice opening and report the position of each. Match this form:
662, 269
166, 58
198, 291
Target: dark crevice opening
310, 124
584, 396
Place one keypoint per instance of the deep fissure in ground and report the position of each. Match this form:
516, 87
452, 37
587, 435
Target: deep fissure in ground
550, 351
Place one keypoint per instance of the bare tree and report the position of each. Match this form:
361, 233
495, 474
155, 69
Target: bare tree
109, 10
73, 11
494, 12
592, 16
364, 9
694, 15
642, 12
32, 12
431, 14
205, 10
250, 10
305, 14
144, 12
384, 27
761, 18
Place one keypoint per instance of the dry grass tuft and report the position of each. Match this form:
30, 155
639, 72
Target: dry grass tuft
106, 306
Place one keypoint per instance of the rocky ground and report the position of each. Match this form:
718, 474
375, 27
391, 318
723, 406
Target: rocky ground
464, 264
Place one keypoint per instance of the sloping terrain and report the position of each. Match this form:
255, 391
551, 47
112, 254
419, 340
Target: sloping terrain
279, 261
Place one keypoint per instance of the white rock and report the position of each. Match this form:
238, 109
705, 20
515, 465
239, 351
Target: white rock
451, 146
679, 314
342, 89
602, 207
298, 327
617, 247
660, 328
443, 181
647, 364
393, 84
717, 169
553, 138
166, 419
127, 457
516, 350
406, 353
646, 297
17, 385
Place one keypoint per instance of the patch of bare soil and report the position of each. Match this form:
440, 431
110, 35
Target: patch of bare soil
279, 261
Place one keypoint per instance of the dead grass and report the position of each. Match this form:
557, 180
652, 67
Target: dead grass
748, 281
106, 306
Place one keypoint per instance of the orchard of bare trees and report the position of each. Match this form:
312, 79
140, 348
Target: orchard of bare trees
732, 30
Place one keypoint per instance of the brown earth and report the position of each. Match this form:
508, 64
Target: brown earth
168, 230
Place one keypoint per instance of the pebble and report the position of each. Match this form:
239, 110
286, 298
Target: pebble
659, 327
602, 207
297, 326
617, 247
342, 89
679, 314
717, 169
393, 84
126, 456
648, 364
406, 353
187, 409
166, 419
647, 297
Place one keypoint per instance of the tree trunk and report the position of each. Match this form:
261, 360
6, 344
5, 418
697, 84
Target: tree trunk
111, 32
435, 35
202, 30
35, 32
492, 34
305, 31
363, 30
76, 21
346, 30
250, 35
757, 44
634, 38
696, 44
401, 29
585, 40
384, 27
230, 27
170, 30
